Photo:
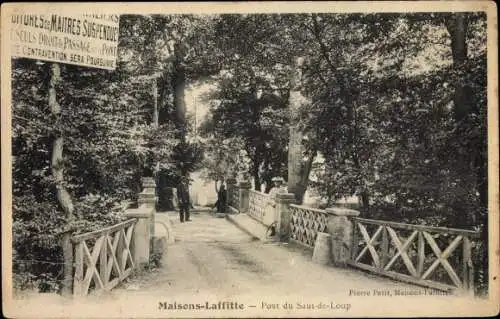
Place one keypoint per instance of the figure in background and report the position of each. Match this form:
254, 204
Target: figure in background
222, 199
183, 199
278, 186
217, 190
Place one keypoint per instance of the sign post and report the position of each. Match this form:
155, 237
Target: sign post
81, 39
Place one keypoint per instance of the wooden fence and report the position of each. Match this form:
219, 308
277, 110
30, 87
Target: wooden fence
305, 223
401, 251
103, 258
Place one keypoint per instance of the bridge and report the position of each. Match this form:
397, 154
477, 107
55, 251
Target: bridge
318, 262
267, 243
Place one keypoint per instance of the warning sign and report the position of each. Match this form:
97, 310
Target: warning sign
87, 39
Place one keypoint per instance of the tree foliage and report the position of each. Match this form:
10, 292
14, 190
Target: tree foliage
251, 95
109, 141
390, 96
396, 107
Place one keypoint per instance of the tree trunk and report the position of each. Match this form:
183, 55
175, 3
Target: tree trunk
457, 27
298, 168
155, 102
165, 193
215, 187
475, 156
178, 80
63, 197
179, 84
463, 106
255, 174
365, 200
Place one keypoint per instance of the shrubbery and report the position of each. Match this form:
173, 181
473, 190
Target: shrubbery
103, 159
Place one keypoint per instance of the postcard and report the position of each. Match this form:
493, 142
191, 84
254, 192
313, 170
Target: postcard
250, 159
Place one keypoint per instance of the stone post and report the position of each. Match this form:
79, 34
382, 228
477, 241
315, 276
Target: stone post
148, 198
322, 253
341, 227
141, 243
283, 201
244, 196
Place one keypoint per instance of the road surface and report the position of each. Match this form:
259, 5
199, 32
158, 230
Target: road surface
217, 267
211, 256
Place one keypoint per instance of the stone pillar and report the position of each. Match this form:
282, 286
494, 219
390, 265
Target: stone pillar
141, 242
148, 198
244, 196
283, 201
322, 253
340, 227
148, 182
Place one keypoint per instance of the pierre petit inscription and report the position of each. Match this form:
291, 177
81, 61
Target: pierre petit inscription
396, 292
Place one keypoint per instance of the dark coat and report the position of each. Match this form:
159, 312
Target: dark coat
183, 193
221, 199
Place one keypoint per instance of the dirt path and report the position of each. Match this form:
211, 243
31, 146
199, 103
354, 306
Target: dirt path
218, 268
212, 256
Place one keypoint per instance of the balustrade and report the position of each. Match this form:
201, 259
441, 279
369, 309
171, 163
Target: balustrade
305, 223
258, 205
233, 194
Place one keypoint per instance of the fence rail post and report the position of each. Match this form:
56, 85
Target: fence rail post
421, 254
354, 242
385, 248
67, 286
78, 277
103, 260
467, 273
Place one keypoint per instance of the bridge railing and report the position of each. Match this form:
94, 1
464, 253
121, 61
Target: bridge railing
233, 196
414, 253
103, 258
435, 257
259, 204
305, 223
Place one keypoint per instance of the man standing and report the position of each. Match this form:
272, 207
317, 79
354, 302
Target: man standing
221, 199
183, 198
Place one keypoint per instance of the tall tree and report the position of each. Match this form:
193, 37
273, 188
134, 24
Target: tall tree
180, 48
258, 119
299, 162
254, 87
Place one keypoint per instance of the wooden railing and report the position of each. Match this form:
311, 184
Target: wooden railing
413, 253
258, 205
103, 258
305, 223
